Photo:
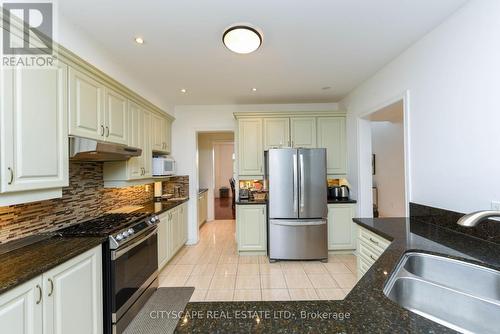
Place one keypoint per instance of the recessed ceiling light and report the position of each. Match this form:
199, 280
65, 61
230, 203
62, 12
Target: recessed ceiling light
254, 89
139, 40
242, 39
183, 90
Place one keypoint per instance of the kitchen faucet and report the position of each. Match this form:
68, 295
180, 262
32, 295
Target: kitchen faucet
472, 219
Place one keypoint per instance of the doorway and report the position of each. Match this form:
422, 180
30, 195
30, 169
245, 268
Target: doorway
216, 169
383, 160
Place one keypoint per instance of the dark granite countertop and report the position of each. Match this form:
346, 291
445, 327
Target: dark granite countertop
159, 207
202, 190
370, 311
342, 201
250, 202
21, 265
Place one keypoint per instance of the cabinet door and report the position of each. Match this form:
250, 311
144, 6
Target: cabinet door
21, 309
146, 150
341, 228
168, 135
34, 133
331, 135
303, 132
251, 227
72, 301
157, 126
276, 132
250, 149
162, 241
136, 137
86, 106
116, 117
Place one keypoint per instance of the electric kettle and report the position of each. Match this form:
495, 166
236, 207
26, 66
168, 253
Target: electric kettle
344, 191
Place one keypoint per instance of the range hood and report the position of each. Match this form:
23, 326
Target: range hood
83, 149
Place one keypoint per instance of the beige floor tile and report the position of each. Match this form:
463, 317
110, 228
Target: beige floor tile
198, 295
275, 294
330, 294
334, 258
269, 268
181, 270
314, 268
322, 281
166, 270
248, 269
219, 295
353, 267
226, 269
263, 259
248, 259
273, 281
292, 268
171, 281
337, 268
223, 282
297, 281
347, 257
228, 259
346, 291
199, 282
303, 294
247, 282
346, 281
203, 269
247, 295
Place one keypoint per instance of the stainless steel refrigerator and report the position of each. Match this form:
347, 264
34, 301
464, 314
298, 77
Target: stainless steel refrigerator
298, 209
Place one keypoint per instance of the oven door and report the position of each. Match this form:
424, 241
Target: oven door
134, 266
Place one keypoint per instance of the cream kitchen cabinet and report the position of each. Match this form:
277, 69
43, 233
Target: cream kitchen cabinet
33, 133
202, 208
21, 309
251, 229
369, 248
250, 148
172, 233
96, 111
341, 228
66, 299
303, 132
331, 135
276, 132
161, 132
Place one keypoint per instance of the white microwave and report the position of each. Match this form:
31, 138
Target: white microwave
163, 166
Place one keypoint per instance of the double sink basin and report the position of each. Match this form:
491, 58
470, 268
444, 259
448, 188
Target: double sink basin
457, 294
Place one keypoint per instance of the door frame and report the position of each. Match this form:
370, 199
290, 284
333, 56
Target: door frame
364, 142
214, 143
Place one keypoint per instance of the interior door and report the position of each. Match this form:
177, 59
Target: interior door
283, 183
312, 183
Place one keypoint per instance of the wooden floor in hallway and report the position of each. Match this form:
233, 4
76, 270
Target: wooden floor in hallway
223, 209
218, 273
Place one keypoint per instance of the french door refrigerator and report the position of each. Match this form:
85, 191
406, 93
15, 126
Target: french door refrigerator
297, 203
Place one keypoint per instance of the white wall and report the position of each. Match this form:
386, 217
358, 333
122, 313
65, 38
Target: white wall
388, 146
206, 163
190, 119
453, 78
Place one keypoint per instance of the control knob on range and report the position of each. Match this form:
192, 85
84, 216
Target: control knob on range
130, 231
119, 237
125, 234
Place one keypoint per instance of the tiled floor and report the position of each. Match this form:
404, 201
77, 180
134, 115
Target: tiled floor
219, 274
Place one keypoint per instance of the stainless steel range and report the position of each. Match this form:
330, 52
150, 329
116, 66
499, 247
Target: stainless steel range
130, 263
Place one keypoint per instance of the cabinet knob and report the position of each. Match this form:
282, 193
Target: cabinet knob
102, 130
107, 131
39, 294
51, 287
11, 175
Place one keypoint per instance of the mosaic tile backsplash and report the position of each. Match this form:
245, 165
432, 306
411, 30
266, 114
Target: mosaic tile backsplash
84, 198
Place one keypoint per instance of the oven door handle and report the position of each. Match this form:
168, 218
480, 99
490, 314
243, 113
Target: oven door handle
119, 252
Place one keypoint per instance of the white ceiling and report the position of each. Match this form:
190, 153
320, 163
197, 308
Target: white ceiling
307, 44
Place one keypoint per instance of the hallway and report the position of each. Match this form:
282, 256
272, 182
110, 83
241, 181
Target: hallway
223, 209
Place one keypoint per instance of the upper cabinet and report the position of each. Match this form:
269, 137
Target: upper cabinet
250, 149
34, 133
258, 132
161, 129
86, 106
116, 117
276, 132
303, 132
331, 135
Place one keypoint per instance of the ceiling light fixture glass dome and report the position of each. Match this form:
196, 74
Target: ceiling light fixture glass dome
242, 39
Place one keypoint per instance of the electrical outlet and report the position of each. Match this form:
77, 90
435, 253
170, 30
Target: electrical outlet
495, 205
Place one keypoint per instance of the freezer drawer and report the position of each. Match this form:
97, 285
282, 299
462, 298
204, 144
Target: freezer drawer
298, 239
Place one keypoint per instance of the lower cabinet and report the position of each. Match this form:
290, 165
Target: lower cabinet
66, 299
172, 233
251, 229
369, 248
341, 228
202, 208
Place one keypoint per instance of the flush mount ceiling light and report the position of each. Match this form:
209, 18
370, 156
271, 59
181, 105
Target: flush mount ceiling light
254, 89
183, 90
242, 39
139, 40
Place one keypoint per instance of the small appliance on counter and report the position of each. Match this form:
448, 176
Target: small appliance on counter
163, 165
244, 194
344, 192
334, 192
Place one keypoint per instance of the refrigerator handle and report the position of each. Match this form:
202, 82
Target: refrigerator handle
295, 184
301, 177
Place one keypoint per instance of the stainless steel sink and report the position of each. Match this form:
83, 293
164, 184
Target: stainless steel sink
456, 294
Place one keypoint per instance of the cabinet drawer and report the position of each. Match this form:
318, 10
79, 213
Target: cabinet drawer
377, 243
368, 253
363, 265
